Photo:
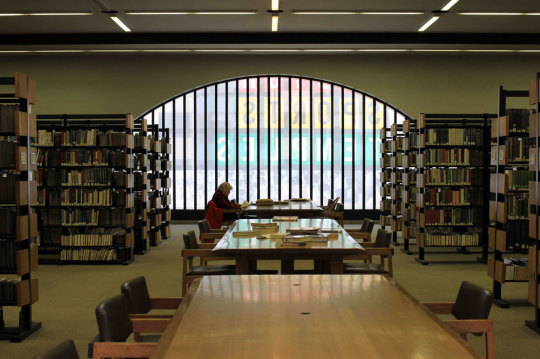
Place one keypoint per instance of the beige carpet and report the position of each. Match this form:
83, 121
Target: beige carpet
70, 293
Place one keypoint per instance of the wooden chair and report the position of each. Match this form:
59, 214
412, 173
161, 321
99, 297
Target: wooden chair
471, 310
115, 325
364, 232
208, 235
64, 350
191, 251
140, 304
381, 248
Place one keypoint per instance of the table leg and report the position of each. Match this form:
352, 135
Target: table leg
242, 266
287, 266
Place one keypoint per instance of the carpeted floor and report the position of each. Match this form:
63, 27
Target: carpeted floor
69, 294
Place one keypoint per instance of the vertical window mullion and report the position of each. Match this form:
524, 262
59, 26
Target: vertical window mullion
290, 138
353, 118
195, 149
173, 157
237, 145
205, 146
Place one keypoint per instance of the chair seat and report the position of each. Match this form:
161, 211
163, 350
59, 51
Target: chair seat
363, 268
213, 269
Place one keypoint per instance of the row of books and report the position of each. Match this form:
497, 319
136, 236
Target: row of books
81, 177
82, 137
454, 176
88, 254
7, 117
386, 204
98, 157
87, 240
451, 157
518, 119
160, 145
7, 152
90, 217
82, 197
452, 239
517, 234
8, 182
453, 197
7, 253
518, 205
8, 290
455, 136
453, 216
518, 179
7, 221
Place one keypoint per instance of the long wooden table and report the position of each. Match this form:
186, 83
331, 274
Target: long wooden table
302, 209
329, 255
305, 316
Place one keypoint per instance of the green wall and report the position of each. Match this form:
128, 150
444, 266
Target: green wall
114, 83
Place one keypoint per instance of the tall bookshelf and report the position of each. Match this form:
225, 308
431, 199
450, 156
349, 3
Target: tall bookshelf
452, 169
508, 207
386, 179
534, 228
398, 161
141, 186
85, 182
18, 222
410, 229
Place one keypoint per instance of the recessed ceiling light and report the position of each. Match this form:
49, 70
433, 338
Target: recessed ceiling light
46, 14
120, 23
329, 50
302, 12
492, 13
429, 23
275, 20
449, 5
275, 50
220, 50
382, 50
246, 12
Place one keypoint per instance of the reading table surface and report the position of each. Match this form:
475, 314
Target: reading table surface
291, 208
305, 316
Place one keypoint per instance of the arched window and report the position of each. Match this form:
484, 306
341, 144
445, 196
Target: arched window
275, 136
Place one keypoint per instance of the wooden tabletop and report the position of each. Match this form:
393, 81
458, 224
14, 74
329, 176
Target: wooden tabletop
299, 208
305, 316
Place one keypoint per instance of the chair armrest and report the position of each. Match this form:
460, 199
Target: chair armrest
123, 350
470, 325
212, 236
149, 325
150, 316
367, 244
165, 303
439, 307
216, 231
365, 236
204, 254
207, 245
379, 251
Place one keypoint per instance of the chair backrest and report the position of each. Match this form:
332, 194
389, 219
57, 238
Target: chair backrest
113, 319
472, 302
190, 240
137, 297
383, 239
204, 226
64, 350
332, 204
339, 207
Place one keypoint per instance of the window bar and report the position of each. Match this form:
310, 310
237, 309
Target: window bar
300, 96
353, 118
343, 146
258, 142
290, 138
185, 164
364, 154
321, 118
375, 150
279, 138
173, 139
237, 145
311, 139
332, 141
205, 145
247, 136
216, 135
269, 132
227, 131
195, 149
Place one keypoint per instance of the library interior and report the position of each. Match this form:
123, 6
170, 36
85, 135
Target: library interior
269, 179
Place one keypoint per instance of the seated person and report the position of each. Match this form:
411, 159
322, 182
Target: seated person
221, 197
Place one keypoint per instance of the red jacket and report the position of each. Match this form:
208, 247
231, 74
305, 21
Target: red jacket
222, 201
214, 215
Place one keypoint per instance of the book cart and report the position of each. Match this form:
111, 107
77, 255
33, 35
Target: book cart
386, 173
508, 207
140, 191
452, 167
18, 222
534, 225
85, 198
410, 229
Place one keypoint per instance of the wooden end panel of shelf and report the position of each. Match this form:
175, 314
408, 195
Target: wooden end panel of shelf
420, 200
499, 242
406, 196
130, 240
130, 219
21, 85
502, 183
500, 270
500, 208
166, 231
532, 226
168, 215
504, 126
420, 180
534, 288
532, 125
24, 126
532, 159
22, 228
421, 140
23, 292
130, 123
26, 263
406, 232
382, 133
422, 120
407, 126
421, 240
532, 92
393, 129
168, 200
157, 237
33, 225
421, 219
532, 193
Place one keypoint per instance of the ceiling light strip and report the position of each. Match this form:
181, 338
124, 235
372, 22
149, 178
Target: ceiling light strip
120, 23
449, 5
499, 13
429, 23
45, 13
275, 20
374, 12
201, 12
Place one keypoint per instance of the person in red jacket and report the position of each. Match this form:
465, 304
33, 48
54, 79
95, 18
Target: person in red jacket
221, 197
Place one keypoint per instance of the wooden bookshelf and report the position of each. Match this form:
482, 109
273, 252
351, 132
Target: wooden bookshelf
410, 229
387, 176
398, 161
534, 201
142, 185
509, 194
452, 167
18, 192
85, 183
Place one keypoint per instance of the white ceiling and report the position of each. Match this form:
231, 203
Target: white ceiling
253, 31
